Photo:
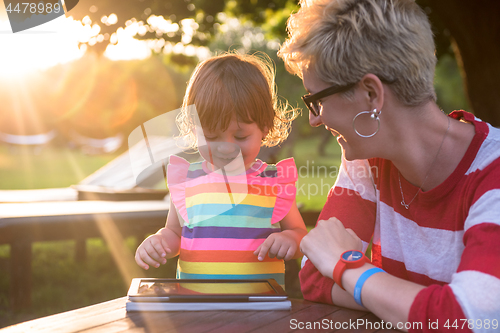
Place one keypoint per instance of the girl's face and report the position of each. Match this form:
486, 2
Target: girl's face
239, 142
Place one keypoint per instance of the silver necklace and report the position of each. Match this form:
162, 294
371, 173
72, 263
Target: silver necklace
407, 205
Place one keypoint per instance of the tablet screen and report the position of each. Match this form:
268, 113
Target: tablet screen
189, 290
207, 288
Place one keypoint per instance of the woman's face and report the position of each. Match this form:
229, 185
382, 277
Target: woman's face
239, 145
337, 114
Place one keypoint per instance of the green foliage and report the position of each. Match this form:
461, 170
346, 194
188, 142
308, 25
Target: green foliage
441, 32
264, 21
92, 96
449, 86
108, 97
275, 23
141, 10
270, 14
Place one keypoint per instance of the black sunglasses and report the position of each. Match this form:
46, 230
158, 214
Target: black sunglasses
312, 101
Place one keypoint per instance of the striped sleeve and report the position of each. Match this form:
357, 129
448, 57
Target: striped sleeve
353, 201
474, 291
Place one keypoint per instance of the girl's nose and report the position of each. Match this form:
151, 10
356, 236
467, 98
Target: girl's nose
226, 147
314, 121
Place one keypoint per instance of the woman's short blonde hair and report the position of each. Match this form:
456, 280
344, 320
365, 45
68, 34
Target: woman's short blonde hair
236, 85
340, 41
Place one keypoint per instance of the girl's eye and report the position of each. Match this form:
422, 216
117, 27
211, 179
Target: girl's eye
241, 137
210, 138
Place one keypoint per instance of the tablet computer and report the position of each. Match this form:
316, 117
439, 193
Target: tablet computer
201, 290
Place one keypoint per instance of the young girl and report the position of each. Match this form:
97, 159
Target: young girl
231, 216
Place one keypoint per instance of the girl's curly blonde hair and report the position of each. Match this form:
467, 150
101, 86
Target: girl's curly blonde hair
235, 85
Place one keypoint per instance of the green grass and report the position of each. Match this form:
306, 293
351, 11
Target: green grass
24, 168
317, 174
59, 282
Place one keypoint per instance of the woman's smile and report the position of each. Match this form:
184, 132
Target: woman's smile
336, 134
331, 130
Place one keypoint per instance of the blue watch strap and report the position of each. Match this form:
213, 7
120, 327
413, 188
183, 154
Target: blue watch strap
361, 281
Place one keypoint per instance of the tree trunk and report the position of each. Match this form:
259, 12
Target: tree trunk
475, 29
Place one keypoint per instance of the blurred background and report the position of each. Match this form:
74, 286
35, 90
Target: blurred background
73, 89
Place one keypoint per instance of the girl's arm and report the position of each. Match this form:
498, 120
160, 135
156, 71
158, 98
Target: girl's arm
172, 231
285, 244
165, 244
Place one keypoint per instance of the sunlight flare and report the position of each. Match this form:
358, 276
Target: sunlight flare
39, 48
115, 241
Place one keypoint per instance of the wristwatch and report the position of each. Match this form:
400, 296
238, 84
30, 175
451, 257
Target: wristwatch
348, 259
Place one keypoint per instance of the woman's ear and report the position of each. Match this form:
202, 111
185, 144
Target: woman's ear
373, 89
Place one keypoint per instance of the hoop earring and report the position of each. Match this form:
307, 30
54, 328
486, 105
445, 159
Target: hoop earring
374, 114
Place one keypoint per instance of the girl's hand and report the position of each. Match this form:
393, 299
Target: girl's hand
152, 251
279, 245
324, 244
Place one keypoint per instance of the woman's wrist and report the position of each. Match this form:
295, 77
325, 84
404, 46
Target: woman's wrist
345, 297
350, 259
351, 276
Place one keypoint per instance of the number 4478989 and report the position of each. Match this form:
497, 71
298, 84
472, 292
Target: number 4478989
472, 324
34, 8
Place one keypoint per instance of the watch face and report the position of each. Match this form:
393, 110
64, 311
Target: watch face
352, 255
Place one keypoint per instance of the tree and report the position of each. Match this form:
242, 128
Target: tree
471, 27
270, 13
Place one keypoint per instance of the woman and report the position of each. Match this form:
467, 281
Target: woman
423, 186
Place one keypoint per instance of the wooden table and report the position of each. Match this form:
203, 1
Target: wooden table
21, 224
109, 317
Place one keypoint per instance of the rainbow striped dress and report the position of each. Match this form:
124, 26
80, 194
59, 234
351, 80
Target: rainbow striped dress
225, 218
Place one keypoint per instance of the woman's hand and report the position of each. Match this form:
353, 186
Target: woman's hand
324, 244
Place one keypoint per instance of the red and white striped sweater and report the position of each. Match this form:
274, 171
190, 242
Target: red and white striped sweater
448, 239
